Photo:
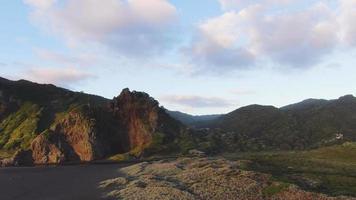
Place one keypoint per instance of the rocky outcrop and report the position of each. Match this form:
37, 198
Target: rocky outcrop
137, 114
7, 162
77, 131
74, 137
23, 158
131, 122
20, 158
141, 118
51, 149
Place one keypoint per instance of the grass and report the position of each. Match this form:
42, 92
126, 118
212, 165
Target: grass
330, 170
120, 157
275, 188
18, 129
6, 154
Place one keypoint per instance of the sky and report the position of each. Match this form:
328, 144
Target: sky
199, 57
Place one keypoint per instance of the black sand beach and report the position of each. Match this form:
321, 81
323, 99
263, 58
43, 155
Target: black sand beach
77, 182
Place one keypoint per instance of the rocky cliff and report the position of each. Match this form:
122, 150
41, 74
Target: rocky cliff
67, 126
140, 116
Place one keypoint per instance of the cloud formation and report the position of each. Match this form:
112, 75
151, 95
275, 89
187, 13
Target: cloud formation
196, 101
255, 31
131, 27
347, 21
62, 77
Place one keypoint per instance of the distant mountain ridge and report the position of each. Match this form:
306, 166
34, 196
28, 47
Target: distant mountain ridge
308, 124
191, 120
305, 104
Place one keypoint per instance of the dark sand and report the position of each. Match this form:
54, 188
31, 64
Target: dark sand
79, 182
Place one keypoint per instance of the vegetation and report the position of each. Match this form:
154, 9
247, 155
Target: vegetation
306, 125
28, 109
274, 188
19, 128
330, 170
120, 157
5, 154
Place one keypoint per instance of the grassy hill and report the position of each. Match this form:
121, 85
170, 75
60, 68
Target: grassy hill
27, 109
309, 124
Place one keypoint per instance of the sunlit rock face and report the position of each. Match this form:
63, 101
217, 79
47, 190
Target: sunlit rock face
140, 117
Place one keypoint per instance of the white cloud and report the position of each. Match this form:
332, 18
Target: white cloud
216, 44
260, 33
222, 30
129, 26
196, 101
347, 20
58, 76
296, 39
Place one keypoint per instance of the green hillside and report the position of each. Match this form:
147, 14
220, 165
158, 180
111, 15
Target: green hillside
27, 109
309, 124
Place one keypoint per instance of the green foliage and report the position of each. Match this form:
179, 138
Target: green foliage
186, 142
160, 146
120, 157
273, 189
32, 109
306, 125
136, 152
18, 129
6, 154
330, 170
157, 143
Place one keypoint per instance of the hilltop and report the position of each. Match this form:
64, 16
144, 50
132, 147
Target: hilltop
309, 124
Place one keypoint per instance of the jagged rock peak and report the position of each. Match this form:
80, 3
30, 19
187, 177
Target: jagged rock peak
135, 95
128, 97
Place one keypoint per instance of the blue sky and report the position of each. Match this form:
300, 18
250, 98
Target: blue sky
200, 57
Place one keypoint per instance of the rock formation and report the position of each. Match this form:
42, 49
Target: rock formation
58, 125
140, 116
